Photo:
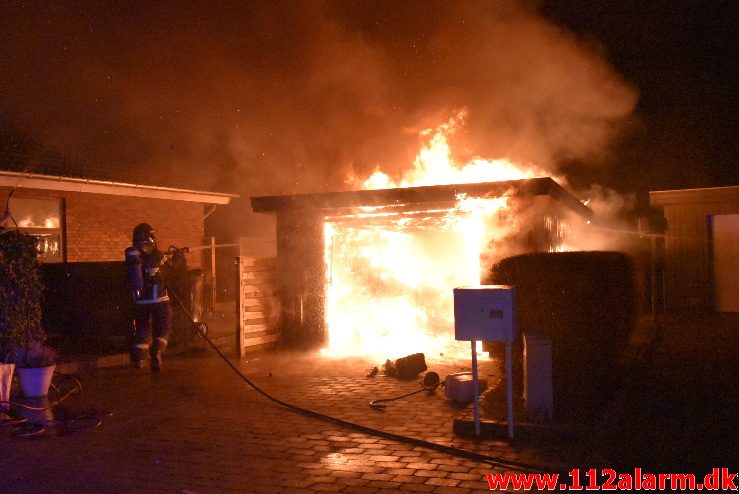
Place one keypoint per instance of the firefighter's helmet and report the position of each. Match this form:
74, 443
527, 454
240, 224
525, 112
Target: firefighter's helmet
143, 233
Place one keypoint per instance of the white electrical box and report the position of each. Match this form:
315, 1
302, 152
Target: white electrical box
537, 378
460, 386
485, 313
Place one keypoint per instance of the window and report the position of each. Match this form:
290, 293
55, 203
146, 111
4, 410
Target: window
42, 218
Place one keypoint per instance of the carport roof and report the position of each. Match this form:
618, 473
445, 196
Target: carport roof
401, 198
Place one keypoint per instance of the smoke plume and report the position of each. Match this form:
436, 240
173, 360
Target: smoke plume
279, 97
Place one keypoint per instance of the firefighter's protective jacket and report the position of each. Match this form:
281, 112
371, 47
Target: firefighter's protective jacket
144, 275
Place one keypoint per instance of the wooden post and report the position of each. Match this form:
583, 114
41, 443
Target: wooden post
213, 281
475, 389
239, 310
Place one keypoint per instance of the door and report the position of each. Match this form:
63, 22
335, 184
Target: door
725, 230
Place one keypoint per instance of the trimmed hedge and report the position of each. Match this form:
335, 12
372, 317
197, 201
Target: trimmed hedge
585, 304
88, 308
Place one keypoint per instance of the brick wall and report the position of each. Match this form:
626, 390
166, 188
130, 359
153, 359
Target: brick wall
98, 227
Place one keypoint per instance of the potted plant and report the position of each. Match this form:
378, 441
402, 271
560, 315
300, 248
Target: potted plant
35, 367
22, 338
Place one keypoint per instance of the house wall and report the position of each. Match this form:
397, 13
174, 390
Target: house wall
688, 251
98, 227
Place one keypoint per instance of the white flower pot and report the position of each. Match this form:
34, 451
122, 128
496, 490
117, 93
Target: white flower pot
6, 379
35, 381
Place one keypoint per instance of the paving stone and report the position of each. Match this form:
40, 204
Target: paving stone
421, 466
473, 484
443, 489
431, 473
360, 490
466, 476
376, 476
418, 488
400, 471
453, 468
447, 461
346, 475
383, 458
385, 485
409, 454
325, 487
354, 450
375, 446
443, 482
405, 478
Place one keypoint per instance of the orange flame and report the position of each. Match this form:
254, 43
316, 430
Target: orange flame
434, 165
390, 277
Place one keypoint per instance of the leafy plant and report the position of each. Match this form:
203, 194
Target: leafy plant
21, 293
38, 355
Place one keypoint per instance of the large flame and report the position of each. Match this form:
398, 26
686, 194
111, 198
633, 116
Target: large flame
434, 165
390, 277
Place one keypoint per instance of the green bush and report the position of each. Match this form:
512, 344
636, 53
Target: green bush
590, 296
21, 293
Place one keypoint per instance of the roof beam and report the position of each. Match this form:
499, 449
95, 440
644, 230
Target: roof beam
50, 182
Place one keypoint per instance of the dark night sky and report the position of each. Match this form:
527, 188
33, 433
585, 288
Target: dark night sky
275, 97
682, 56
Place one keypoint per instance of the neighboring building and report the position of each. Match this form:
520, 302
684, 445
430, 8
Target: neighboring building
84, 226
701, 248
81, 220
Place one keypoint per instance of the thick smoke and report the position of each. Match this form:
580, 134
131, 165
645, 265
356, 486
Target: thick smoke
270, 97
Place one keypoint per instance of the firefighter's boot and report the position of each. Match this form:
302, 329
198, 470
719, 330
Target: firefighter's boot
157, 352
156, 362
137, 357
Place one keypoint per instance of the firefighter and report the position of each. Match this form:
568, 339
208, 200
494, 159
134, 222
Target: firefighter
152, 311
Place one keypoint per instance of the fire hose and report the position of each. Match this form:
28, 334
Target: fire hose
202, 331
430, 382
7, 207
65, 421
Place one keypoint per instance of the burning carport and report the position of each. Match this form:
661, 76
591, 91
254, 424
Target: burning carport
372, 271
